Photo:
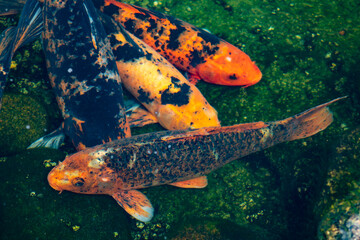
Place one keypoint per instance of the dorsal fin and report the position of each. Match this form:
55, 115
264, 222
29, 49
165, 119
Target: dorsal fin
186, 135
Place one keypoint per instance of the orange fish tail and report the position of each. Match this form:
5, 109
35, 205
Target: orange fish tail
309, 122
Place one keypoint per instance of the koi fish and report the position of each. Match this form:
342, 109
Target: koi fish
170, 98
28, 28
200, 53
158, 85
181, 158
187, 47
83, 73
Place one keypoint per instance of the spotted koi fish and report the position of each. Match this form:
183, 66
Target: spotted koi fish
161, 88
189, 48
158, 85
83, 73
181, 158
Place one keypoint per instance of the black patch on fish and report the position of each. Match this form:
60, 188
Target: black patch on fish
174, 43
161, 31
153, 25
157, 43
130, 25
109, 10
141, 16
127, 52
196, 58
148, 56
178, 98
233, 77
139, 32
144, 96
214, 40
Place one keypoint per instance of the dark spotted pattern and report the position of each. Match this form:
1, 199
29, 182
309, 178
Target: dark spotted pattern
156, 161
124, 51
83, 73
172, 156
150, 26
177, 94
144, 97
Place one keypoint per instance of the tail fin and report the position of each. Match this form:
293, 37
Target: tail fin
30, 24
5, 56
29, 27
309, 122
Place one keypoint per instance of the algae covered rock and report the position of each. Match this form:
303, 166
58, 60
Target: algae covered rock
22, 121
342, 221
339, 205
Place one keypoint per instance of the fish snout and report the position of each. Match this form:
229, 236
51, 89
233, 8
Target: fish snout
53, 179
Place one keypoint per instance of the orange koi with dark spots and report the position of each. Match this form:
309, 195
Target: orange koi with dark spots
181, 158
158, 85
189, 48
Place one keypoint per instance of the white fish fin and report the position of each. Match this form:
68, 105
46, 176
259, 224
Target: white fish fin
52, 140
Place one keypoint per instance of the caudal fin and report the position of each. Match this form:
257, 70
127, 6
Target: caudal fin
30, 24
309, 122
29, 28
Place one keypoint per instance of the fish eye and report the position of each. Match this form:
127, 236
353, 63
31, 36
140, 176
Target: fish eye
78, 182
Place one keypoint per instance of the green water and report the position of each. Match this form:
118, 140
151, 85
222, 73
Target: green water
308, 53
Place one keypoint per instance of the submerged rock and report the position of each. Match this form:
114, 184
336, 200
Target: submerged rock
339, 206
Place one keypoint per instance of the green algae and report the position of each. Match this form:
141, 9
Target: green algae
308, 53
23, 120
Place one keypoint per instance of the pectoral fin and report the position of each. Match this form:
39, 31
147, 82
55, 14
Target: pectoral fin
136, 204
138, 116
194, 79
199, 182
52, 140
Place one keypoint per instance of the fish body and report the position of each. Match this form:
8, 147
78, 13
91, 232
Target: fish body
158, 85
189, 48
83, 73
181, 158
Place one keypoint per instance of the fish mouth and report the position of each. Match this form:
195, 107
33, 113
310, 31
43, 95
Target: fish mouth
52, 180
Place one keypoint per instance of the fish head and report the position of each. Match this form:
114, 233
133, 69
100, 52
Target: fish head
229, 66
82, 172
